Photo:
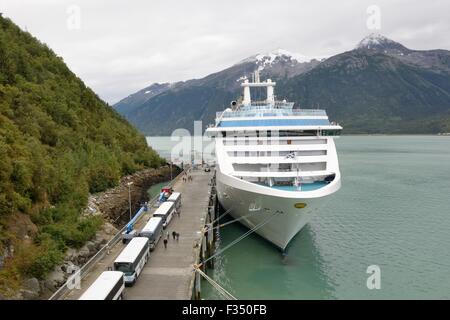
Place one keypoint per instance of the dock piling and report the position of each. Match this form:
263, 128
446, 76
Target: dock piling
197, 286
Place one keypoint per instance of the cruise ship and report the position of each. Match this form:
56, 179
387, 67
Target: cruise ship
275, 164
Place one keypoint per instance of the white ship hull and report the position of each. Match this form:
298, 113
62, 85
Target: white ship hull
279, 217
275, 164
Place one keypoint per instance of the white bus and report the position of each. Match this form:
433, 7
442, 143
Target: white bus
132, 259
166, 210
175, 197
108, 286
153, 231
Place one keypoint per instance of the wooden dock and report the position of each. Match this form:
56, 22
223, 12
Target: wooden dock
169, 272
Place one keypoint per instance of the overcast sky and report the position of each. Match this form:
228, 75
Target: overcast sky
120, 46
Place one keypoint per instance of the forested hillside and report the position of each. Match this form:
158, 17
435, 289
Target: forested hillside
58, 143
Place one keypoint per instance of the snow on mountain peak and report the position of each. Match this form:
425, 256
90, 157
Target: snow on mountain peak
265, 59
374, 40
269, 58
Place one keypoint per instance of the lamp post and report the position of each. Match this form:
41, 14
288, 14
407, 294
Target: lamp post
129, 195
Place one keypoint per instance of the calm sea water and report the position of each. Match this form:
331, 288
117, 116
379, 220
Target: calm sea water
393, 211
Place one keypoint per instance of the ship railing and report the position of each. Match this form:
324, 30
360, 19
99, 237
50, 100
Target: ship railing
275, 104
269, 112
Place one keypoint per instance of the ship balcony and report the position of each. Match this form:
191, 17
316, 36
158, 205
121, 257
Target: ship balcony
309, 186
278, 159
295, 184
276, 143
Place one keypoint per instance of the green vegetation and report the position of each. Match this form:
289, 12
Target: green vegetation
58, 142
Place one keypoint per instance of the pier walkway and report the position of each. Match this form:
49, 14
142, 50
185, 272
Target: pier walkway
168, 273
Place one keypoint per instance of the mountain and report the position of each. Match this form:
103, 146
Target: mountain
436, 60
58, 143
380, 43
199, 99
370, 92
379, 87
136, 99
281, 63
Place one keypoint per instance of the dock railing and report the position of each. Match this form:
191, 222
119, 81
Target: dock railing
84, 270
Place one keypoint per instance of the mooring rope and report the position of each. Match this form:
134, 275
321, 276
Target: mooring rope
240, 238
217, 286
222, 215
233, 221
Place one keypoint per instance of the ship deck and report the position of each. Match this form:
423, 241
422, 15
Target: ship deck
303, 186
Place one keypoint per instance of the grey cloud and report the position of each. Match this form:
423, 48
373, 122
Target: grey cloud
123, 46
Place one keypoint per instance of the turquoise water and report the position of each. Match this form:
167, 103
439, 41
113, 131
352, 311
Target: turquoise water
155, 189
393, 210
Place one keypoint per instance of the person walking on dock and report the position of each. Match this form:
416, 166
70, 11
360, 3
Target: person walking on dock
174, 234
165, 243
178, 236
167, 236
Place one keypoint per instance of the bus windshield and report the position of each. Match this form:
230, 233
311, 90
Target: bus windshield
126, 268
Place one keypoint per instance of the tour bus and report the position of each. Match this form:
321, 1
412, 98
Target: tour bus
108, 286
175, 197
153, 231
132, 259
165, 211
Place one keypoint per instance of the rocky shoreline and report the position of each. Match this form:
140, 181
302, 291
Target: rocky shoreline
113, 206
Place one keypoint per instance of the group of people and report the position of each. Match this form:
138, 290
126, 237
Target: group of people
187, 177
175, 235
